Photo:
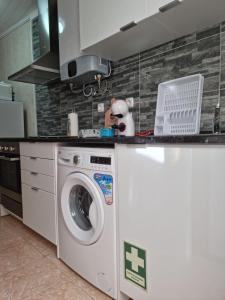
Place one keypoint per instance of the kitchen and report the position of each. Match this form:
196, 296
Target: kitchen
79, 198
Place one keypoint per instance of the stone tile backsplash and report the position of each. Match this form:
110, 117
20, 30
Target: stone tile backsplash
138, 76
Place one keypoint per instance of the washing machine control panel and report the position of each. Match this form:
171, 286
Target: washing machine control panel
100, 160
87, 160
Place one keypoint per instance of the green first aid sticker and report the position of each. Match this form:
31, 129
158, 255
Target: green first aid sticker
135, 264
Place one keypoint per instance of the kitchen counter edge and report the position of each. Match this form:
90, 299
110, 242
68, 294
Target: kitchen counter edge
193, 139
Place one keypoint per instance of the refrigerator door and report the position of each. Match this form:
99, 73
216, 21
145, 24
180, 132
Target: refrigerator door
11, 119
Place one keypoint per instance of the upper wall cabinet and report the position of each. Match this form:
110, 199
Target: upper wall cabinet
193, 15
154, 6
100, 19
69, 33
107, 27
114, 29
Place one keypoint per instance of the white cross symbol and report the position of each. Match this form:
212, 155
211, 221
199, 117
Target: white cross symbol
135, 260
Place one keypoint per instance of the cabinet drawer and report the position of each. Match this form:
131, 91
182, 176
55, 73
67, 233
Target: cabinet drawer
39, 165
43, 182
39, 212
41, 150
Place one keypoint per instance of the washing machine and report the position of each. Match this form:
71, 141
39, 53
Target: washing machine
87, 215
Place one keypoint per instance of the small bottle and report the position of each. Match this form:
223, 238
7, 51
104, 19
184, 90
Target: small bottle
216, 124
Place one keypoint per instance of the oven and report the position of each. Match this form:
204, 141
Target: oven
10, 178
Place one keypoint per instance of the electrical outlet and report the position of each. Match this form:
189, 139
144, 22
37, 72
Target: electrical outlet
101, 107
130, 102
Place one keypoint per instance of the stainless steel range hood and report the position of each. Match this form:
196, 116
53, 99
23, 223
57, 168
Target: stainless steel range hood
44, 70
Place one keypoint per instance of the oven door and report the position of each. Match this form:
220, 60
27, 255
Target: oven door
10, 173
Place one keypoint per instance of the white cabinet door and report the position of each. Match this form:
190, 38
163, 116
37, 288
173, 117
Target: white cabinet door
176, 212
39, 212
208, 207
69, 34
101, 19
189, 16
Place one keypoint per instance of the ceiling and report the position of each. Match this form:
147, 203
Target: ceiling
12, 11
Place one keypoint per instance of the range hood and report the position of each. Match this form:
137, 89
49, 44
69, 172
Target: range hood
45, 69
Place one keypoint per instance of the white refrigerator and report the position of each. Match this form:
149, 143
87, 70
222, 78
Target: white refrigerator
11, 114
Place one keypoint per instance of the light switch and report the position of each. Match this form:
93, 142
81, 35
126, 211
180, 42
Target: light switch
101, 107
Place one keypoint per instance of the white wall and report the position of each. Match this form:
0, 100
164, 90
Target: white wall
16, 53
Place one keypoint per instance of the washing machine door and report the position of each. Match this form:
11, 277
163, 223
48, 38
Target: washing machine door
82, 208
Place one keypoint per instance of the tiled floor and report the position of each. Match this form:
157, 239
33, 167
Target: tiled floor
30, 270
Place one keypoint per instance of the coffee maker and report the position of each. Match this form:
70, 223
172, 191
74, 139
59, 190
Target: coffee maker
125, 124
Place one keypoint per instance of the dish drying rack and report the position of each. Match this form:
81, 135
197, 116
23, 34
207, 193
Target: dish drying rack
178, 108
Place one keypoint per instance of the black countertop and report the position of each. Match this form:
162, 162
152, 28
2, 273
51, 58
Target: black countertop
191, 139
110, 142
69, 141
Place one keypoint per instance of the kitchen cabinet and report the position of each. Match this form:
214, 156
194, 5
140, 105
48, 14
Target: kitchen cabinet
179, 211
192, 15
101, 19
38, 175
101, 22
153, 6
39, 211
69, 33
110, 26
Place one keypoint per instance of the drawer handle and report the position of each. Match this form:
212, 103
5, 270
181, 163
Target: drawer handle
33, 158
170, 5
65, 160
128, 26
34, 173
35, 189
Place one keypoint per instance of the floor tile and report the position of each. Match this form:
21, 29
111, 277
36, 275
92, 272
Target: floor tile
31, 280
18, 256
34, 239
8, 242
42, 245
4, 295
5, 227
62, 290
11, 223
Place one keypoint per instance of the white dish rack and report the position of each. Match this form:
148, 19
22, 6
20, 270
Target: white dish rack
178, 108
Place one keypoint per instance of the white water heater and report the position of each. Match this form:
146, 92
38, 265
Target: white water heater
83, 69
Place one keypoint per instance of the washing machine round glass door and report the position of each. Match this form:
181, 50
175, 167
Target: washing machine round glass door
82, 208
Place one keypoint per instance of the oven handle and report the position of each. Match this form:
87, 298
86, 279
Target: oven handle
9, 159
